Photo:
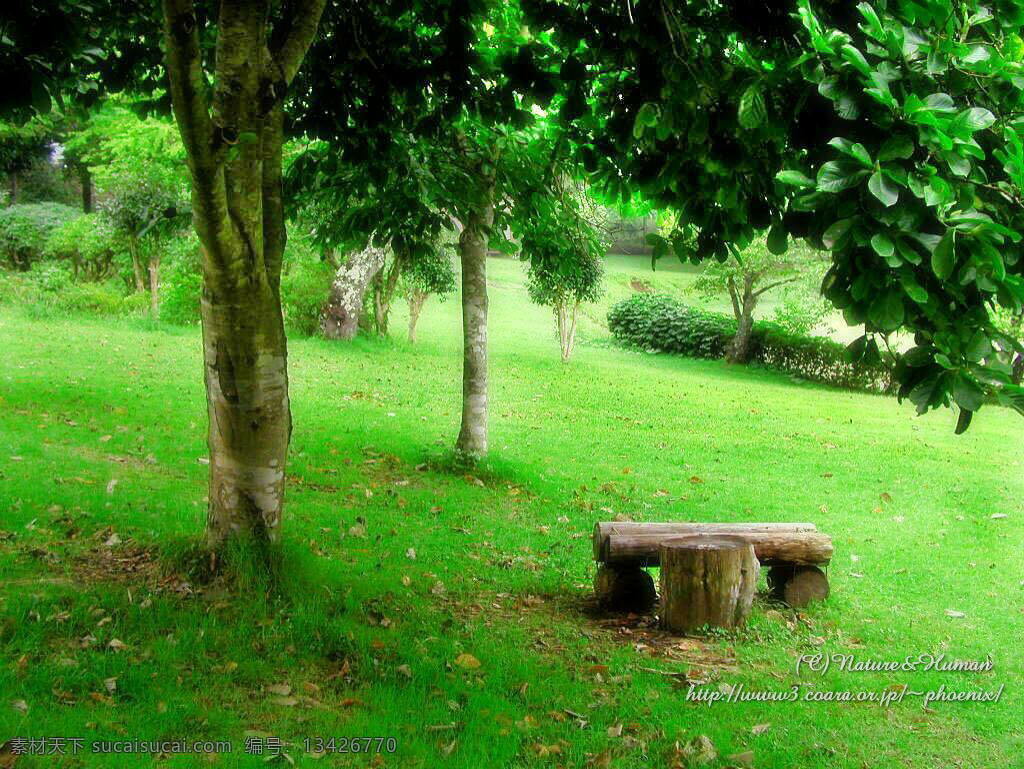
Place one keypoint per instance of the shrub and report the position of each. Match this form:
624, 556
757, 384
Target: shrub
305, 285
658, 322
88, 242
181, 282
25, 229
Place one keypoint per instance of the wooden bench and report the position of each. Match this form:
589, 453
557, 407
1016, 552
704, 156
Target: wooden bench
794, 552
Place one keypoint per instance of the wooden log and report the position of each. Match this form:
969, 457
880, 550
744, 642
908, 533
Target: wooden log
798, 585
771, 547
707, 580
626, 588
604, 529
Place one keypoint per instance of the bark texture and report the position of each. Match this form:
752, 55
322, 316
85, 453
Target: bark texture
341, 316
233, 148
565, 319
137, 269
604, 529
771, 547
472, 440
744, 300
416, 300
798, 586
707, 580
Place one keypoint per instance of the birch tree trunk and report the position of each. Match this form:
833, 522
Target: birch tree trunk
154, 286
233, 149
340, 318
472, 441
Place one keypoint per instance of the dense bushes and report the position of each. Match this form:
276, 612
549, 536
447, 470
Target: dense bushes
658, 322
89, 243
49, 289
25, 230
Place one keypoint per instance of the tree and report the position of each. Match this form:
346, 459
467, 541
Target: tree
139, 203
430, 275
889, 135
233, 139
565, 250
746, 277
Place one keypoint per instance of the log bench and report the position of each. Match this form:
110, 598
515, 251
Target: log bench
794, 553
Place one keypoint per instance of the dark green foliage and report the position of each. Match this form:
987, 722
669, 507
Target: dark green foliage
433, 273
659, 322
25, 229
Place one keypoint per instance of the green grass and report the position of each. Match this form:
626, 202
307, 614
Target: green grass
368, 637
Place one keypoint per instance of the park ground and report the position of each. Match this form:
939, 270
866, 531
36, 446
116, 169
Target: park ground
450, 610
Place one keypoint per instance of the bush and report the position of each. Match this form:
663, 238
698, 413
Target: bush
658, 322
49, 290
181, 281
89, 243
25, 229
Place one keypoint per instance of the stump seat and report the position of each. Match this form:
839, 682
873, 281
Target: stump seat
707, 580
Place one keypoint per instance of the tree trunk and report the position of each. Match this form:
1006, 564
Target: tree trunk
133, 251
472, 441
238, 212
707, 580
739, 347
565, 318
627, 588
771, 547
416, 301
384, 293
605, 529
154, 287
14, 187
340, 318
85, 179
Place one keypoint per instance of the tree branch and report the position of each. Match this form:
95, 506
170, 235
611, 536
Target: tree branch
187, 81
300, 27
776, 284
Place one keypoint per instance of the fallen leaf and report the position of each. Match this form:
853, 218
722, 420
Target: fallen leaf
404, 670
700, 750
885, 497
746, 758
285, 702
111, 485
117, 645
760, 728
411, 553
955, 613
20, 705
110, 684
282, 690
998, 516
615, 730
696, 479
467, 661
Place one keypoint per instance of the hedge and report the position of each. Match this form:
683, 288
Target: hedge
659, 322
24, 230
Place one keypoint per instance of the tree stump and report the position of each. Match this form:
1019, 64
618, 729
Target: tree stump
797, 586
625, 588
707, 580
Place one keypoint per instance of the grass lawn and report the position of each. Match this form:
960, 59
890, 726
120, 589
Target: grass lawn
449, 610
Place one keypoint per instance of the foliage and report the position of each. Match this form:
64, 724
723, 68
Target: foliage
305, 282
433, 273
89, 242
181, 281
25, 230
50, 290
919, 194
799, 310
659, 322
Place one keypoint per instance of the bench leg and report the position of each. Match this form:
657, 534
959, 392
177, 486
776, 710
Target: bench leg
798, 585
624, 588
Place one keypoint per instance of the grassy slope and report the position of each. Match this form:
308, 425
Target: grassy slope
502, 558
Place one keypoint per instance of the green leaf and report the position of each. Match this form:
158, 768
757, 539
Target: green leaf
978, 347
896, 147
794, 178
914, 289
963, 421
967, 393
836, 232
886, 311
838, 175
777, 240
752, 110
856, 150
882, 244
971, 120
944, 256
883, 189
